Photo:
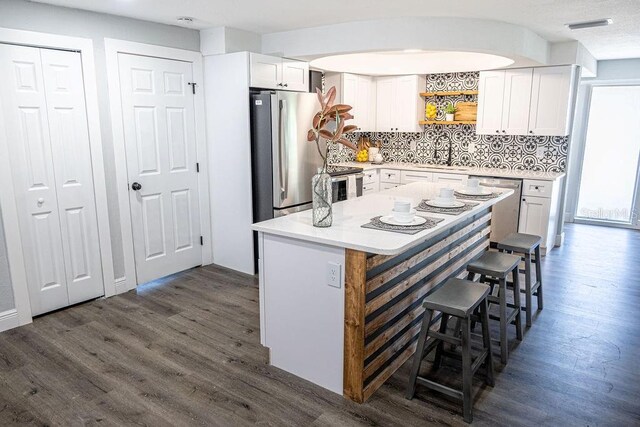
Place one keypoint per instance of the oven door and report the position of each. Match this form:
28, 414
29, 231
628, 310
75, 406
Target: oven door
344, 188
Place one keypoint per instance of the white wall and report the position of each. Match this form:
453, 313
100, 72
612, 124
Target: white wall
23, 15
611, 72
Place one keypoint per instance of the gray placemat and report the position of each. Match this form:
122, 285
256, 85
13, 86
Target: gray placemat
376, 224
423, 207
482, 198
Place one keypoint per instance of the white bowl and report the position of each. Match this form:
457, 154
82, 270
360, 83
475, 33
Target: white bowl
404, 217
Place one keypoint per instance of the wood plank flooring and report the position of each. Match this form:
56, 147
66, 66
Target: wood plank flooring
185, 351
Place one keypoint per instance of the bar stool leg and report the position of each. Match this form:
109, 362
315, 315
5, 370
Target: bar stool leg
417, 357
527, 286
467, 374
517, 303
504, 349
486, 339
443, 329
539, 278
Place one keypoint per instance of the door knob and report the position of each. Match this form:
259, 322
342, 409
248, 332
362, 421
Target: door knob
136, 186
40, 201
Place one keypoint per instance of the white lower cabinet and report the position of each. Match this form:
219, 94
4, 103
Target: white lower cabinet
453, 180
370, 182
534, 215
388, 185
413, 176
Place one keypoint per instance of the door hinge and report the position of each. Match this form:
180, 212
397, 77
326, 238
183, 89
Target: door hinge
193, 87
201, 241
198, 167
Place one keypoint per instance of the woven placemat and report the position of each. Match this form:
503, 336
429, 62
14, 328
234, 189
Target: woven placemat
423, 207
483, 197
376, 224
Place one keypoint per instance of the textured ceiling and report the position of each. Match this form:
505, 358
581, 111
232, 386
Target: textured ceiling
545, 17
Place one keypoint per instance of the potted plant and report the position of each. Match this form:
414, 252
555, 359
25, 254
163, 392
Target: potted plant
449, 111
328, 126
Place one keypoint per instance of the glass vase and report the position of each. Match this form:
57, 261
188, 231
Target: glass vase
322, 199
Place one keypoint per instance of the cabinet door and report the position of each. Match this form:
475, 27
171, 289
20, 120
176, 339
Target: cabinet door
534, 216
366, 102
450, 180
550, 101
490, 102
385, 89
403, 117
266, 71
350, 97
517, 98
295, 75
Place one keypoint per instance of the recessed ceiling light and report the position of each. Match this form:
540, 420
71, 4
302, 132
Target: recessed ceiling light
590, 24
185, 19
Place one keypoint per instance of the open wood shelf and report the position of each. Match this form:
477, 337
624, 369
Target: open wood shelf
448, 93
444, 122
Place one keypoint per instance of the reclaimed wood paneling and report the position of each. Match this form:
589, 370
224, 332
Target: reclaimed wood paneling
383, 306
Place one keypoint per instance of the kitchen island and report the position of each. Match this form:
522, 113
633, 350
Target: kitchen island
341, 306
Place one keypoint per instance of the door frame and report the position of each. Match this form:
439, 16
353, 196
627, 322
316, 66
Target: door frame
113, 48
22, 313
581, 147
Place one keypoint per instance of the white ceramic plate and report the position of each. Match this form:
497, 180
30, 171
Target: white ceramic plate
474, 192
389, 219
448, 204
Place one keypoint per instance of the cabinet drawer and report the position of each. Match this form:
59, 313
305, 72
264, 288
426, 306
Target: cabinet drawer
387, 185
450, 179
390, 176
370, 177
413, 176
370, 188
537, 188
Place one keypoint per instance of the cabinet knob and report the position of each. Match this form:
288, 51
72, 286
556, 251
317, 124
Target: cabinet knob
504, 131
530, 131
279, 84
524, 200
497, 131
286, 85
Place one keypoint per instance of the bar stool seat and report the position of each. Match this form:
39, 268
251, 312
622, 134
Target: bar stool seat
457, 298
527, 244
520, 242
493, 265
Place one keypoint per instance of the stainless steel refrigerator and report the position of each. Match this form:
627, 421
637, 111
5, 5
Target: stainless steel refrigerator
283, 161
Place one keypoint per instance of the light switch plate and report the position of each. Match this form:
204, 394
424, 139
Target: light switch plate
540, 152
334, 274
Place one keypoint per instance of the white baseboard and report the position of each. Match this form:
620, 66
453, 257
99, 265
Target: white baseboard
560, 239
124, 285
9, 319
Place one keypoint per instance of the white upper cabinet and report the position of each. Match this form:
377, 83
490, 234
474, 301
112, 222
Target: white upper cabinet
490, 100
527, 101
516, 101
399, 105
550, 101
271, 72
359, 92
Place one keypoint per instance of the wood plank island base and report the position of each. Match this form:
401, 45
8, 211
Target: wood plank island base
350, 332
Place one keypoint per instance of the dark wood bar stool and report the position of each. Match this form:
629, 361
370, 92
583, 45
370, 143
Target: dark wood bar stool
527, 244
456, 298
498, 265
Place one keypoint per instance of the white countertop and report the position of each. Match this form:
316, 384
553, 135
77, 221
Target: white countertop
489, 172
350, 215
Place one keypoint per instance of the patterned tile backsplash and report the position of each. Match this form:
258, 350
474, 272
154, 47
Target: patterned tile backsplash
431, 146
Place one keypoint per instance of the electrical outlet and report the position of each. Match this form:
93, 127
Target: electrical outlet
540, 152
472, 147
334, 274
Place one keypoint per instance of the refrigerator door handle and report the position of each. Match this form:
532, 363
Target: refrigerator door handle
284, 164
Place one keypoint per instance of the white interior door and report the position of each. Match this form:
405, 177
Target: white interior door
159, 130
44, 107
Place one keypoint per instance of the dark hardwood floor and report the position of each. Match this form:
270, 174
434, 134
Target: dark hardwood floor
185, 351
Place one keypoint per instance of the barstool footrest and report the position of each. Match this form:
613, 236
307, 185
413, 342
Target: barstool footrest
440, 388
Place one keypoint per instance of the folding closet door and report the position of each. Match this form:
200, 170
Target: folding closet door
42, 97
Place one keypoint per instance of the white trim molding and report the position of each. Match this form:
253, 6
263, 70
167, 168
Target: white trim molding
7, 197
113, 48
